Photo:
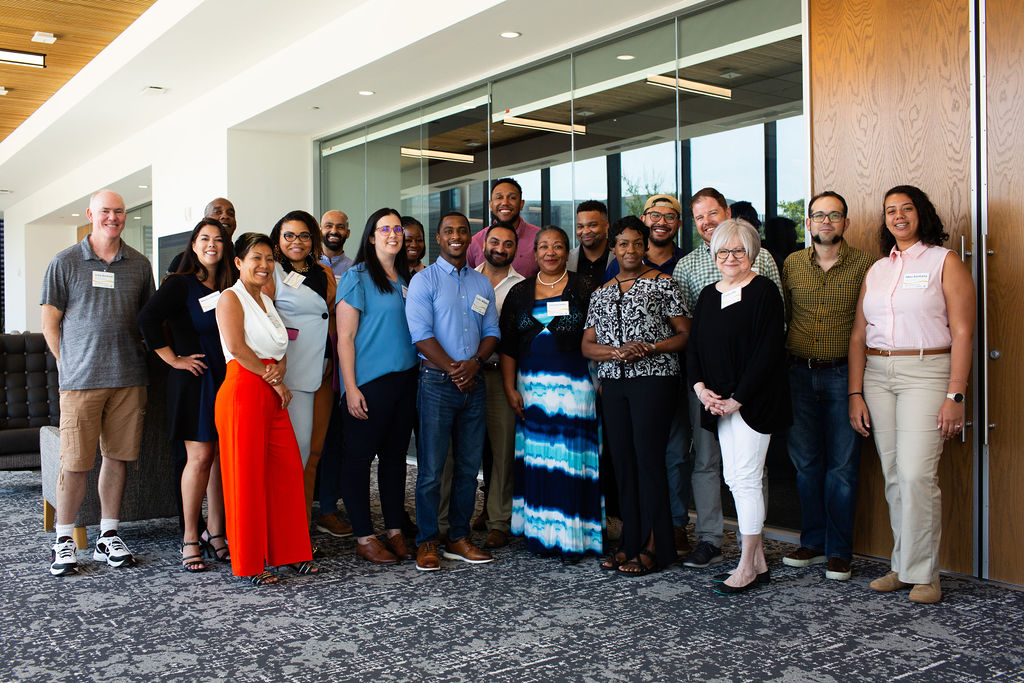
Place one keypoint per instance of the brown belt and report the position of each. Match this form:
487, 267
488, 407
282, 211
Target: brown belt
907, 352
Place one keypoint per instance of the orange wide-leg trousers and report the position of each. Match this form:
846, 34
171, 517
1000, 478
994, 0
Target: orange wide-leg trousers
264, 502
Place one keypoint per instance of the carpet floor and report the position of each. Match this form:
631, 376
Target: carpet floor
521, 618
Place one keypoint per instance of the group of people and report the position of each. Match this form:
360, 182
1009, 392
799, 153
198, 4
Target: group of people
578, 377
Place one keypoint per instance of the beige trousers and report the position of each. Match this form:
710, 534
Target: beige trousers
903, 395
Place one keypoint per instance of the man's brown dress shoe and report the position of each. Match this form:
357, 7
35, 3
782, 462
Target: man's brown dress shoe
467, 552
496, 539
375, 552
396, 544
426, 557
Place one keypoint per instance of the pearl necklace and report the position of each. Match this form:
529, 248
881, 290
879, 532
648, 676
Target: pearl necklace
552, 284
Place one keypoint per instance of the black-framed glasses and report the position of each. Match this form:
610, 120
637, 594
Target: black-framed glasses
739, 252
659, 216
832, 216
291, 237
397, 229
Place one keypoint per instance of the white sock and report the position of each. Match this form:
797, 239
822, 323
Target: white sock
65, 530
108, 525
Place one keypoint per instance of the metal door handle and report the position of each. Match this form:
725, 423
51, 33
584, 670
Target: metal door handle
963, 248
983, 277
963, 432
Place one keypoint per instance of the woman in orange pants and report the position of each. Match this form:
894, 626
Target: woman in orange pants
264, 501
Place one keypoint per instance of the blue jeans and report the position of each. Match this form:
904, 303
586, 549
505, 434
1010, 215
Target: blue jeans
448, 416
678, 463
826, 453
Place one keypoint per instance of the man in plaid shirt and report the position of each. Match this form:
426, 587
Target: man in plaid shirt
694, 272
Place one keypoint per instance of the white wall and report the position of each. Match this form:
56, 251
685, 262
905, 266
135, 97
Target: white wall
268, 175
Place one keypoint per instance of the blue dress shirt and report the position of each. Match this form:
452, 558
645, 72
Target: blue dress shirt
440, 305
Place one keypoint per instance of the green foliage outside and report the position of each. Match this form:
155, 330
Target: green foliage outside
794, 211
637, 192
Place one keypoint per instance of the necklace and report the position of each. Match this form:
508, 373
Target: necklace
303, 269
552, 284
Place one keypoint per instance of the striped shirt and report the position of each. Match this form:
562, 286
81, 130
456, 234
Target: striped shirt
821, 305
697, 270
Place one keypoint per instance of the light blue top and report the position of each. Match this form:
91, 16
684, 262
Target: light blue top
305, 313
382, 342
440, 305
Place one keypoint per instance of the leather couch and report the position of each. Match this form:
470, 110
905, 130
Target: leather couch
29, 398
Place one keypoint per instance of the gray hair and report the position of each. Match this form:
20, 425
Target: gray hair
736, 227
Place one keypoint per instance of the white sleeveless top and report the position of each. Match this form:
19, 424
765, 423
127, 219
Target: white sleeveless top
265, 334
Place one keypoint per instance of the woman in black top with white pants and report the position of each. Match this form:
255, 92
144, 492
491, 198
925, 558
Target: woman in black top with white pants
736, 361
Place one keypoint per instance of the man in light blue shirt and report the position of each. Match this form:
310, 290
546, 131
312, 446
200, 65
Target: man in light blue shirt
453, 320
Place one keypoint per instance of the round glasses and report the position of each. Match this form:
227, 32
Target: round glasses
739, 253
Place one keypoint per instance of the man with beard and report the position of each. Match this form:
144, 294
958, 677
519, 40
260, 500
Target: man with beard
453, 321
822, 283
694, 272
220, 210
661, 215
590, 259
506, 204
333, 232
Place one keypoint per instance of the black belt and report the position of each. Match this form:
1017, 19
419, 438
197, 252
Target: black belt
817, 363
491, 365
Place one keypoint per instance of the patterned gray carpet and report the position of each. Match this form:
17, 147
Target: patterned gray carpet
519, 619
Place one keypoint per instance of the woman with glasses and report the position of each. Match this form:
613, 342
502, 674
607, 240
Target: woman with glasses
910, 355
736, 362
635, 328
378, 375
301, 289
186, 303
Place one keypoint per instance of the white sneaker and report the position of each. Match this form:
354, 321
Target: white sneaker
64, 557
112, 550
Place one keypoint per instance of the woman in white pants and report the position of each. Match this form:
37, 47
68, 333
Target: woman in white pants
910, 355
736, 364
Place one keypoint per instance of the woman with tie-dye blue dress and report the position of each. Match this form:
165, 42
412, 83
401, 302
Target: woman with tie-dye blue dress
557, 504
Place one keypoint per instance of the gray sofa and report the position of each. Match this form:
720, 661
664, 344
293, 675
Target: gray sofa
29, 398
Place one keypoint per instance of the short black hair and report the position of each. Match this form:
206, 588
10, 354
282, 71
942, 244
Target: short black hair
449, 215
746, 211
502, 224
409, 221
248, 240
510, 181
592, 205
828, 193
929, 226
629, 223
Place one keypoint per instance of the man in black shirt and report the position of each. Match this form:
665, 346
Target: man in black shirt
590, 259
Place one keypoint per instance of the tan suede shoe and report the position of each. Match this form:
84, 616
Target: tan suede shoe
888, 583
926, 593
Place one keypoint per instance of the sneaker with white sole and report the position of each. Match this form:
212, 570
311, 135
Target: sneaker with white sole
704, 555
64, 557
112, 550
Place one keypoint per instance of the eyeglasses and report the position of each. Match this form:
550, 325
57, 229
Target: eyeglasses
397, 229
833, 217
291, 236
739, 252
658, 216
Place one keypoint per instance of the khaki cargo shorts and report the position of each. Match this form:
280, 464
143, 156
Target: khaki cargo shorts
110, 417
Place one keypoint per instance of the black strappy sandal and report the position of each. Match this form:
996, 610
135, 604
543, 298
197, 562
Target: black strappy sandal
222, 554
638, 562
264, 578
193, 564
307, 567
611, 563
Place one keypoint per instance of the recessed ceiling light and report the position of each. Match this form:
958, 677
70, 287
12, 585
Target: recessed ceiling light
75, 215
138, 218
624, 58
3, 90
510, 34
730, 74
315, 108
584, 112
44, 37
4, 190
366, 93
143, 187
153, 90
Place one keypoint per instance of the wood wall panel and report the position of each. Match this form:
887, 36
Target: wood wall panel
1005, 103
890, 104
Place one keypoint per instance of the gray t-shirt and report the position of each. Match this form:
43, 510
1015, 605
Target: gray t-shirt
100, 343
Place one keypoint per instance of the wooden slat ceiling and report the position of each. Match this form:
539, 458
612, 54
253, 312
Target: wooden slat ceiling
82, 29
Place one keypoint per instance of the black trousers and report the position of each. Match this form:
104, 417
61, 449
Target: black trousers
637, 418
391, 410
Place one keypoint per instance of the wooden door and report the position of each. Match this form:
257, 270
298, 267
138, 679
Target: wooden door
1004, 98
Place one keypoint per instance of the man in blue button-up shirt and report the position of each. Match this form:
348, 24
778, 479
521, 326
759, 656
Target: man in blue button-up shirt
453, 320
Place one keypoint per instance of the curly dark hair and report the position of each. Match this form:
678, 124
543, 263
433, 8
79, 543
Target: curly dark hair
629, 223
299, 216
929, 226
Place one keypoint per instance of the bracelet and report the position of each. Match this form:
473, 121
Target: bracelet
854, 393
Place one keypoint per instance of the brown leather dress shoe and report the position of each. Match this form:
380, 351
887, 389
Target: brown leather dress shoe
396, 544
426, 557
496, 539
480, 523
375, 552
467, 552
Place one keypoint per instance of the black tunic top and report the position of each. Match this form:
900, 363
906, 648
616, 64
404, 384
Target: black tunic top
739, 352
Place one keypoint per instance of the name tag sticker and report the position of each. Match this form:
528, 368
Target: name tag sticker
101, 278
731, 297
480, 304
293, 279
405, 292
915, 280
558, 308
209, 302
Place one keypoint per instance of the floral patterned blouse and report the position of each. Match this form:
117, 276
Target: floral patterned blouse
640, 314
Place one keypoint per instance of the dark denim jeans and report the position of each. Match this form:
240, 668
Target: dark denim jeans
447, 415
826, 453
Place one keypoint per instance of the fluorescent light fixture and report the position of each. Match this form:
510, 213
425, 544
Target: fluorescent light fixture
3, 90
437, 154
366, 93
510, 34
689, 86
44, 37
23, 58
534, 124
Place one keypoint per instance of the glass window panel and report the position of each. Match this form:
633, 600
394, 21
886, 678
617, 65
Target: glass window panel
562, 213
647, 171
792, 170
732, 162
732, 22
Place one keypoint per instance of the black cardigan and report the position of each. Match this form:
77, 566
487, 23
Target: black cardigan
519, 327
739, 351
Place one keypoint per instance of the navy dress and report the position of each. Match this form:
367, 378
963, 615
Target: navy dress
190, 399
